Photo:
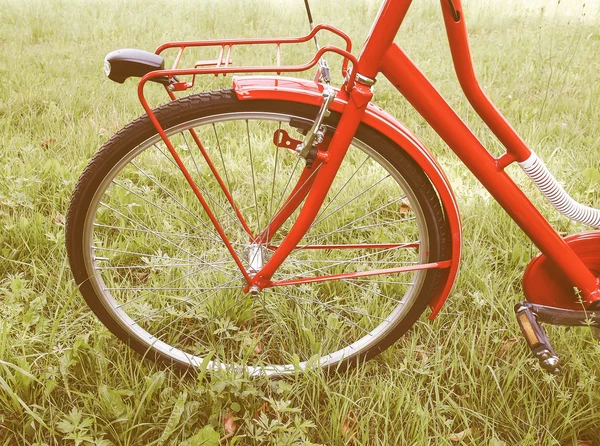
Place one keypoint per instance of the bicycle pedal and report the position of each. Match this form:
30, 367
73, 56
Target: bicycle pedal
536, 338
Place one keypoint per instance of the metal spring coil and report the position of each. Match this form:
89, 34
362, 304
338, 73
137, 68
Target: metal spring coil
556, 195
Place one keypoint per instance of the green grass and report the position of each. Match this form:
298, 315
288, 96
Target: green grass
461, 379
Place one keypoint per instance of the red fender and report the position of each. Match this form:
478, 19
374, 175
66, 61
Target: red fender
309, 92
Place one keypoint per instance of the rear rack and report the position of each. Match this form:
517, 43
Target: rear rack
223, 64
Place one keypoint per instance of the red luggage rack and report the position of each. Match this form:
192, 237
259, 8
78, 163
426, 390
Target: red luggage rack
223, 64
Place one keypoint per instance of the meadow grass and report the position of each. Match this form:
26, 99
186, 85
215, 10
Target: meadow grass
465, 378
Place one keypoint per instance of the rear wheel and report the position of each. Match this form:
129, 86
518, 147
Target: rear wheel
151, 265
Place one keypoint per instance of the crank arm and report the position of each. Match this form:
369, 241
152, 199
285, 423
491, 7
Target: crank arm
561, 316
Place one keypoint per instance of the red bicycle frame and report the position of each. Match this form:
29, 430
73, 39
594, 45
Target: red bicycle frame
413, 85
381, 55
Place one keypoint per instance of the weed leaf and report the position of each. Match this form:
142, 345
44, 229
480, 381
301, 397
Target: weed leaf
173, 420
112, 401
206, 437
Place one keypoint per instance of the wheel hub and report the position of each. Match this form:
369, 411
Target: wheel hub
256, 260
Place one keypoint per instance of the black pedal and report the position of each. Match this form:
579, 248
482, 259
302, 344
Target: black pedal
536, 338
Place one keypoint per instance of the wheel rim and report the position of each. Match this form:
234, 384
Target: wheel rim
165, 279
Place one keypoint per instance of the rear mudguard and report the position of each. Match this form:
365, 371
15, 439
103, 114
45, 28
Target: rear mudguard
308, 92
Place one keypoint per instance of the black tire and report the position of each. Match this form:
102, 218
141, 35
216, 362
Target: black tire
111, 180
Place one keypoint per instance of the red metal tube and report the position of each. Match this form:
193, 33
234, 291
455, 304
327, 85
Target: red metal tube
384, 29
298, 194
261, 69
214, 171
188, 177
463, 65
356, 275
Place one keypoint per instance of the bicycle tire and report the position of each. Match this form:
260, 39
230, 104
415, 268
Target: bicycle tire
112, 188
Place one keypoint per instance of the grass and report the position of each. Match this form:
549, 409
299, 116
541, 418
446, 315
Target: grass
465, 378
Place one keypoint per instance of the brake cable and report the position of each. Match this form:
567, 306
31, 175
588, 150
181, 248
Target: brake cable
323, 66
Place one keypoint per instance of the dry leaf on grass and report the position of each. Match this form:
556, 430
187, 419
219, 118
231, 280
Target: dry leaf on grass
47, 143
506, 346
349, 427
459, 436
229, 424
422, 355
404, 206
58, 219
264, 408
267, 409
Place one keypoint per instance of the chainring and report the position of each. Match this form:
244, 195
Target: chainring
545, 284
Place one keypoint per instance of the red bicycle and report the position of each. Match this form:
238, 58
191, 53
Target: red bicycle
285, 224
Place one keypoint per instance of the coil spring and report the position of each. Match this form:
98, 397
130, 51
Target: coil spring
556, 195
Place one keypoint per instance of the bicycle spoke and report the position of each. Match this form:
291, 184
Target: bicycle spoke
373, 262
386, 282
322, 271
361, 257
351, 200
375, 225
144, 227
253, 178
168, 157
373, 292
204, 192
145, 266
166, 289
221, 155
165, 190
347, 310
291, 197
356, 220
188, 312
262, 300
296, 299
272, 190
341, 189
293, 171
170, 234
162, 209
189, 299
161, 287
141, 254
210, 197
